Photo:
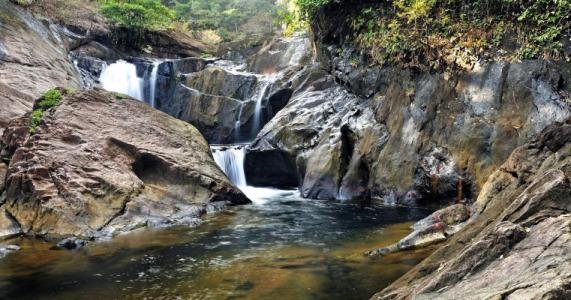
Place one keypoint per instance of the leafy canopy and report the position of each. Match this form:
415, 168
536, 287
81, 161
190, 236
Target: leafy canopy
137, 14
231, 19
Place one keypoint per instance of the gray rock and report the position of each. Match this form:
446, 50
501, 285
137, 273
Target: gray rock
433, 229
519, 245
9, 227
71, 243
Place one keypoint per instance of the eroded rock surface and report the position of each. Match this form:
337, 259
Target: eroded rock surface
429, 137
33, 59
519, 246
433, 229
101, 164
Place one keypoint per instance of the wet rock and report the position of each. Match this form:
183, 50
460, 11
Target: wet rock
3, 170
280, 54
217, 81
5, 250
214, 116
9, 227
433, 229
518, 246
271, 168
431, 137
71, 243
93, 170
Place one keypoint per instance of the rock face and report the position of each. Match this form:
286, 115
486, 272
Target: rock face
101, 164
519, 245
220, 97
406, 136
33, 59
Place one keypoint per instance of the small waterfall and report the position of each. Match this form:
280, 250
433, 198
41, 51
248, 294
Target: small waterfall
121, 77
256, 125
238, 124
231, 160
153, 84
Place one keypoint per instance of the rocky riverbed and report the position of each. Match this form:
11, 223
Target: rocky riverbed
476, 154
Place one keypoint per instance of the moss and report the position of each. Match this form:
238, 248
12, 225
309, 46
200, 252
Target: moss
50, 99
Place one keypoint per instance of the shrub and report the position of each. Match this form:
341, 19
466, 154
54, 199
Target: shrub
424, 32
137, 14
129, 19
49, 99
36, 119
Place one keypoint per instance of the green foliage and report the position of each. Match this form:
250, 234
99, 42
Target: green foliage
425, 32
129, 19
137, 14
308, 8
23, 2
49, 99
231, 19
36, 119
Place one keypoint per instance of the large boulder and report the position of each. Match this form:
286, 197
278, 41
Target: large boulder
101, 164
518, 245
33, 59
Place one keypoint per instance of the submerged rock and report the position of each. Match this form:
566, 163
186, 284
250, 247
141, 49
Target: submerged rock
71, 243
101, 164
519, 245
5, 250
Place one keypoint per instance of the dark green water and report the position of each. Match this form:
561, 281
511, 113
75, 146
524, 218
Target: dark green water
283, 247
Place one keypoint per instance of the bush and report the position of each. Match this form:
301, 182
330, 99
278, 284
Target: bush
129, 19
49, 99
424, 32
137, 14
36, 119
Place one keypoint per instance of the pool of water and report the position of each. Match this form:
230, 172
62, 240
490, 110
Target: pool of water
282, 247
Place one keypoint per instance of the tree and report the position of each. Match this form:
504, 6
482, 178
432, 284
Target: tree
137, 14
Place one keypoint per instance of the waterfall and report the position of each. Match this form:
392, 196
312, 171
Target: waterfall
231, 160
153, 83
121, 77
256, 125
238, 124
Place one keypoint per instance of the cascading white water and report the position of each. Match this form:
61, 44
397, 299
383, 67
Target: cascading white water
153, 84
121, 77
238, 123
231, 160
256, 124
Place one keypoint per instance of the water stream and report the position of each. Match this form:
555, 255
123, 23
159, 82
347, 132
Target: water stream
121, 77
280, 247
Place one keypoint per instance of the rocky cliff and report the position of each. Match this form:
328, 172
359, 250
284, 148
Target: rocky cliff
101, 164
353, 129
518, 244
33, 59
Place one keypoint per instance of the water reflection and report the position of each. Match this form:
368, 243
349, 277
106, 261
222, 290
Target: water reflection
285, 248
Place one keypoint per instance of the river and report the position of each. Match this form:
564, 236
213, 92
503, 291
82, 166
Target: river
283, 247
